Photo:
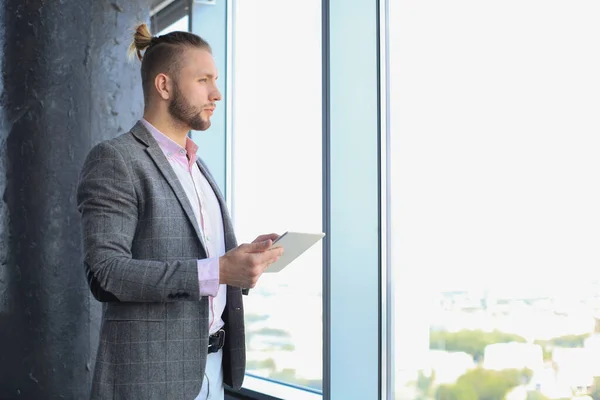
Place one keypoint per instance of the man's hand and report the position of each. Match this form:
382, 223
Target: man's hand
243, 265
262, 238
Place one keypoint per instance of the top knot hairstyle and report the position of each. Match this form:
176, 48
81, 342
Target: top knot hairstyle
162, 53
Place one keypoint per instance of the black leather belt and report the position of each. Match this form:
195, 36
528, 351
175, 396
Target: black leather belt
216, 341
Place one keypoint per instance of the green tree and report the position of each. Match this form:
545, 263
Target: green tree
494, 385
425, 386
458, 391
547, 353
596, 389
569, 341
536, 396
564, 341
269, 364
472, 342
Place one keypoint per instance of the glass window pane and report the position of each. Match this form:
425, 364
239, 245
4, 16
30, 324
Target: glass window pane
277, 178
181, 24
494, 198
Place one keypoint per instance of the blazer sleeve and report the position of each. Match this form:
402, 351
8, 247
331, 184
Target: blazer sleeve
108, 204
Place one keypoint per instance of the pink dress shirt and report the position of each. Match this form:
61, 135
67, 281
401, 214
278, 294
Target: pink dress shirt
208, 215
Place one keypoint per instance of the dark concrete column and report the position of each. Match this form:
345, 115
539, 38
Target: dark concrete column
66, 85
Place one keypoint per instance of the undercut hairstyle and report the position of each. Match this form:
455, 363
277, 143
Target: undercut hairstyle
162, 54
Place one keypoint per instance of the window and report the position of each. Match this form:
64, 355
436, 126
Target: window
494, 198
169, 16
277, 179
181, 24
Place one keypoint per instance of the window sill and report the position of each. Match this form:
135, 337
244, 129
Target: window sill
257, 388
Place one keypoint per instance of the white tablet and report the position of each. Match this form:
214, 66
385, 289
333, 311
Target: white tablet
294, 244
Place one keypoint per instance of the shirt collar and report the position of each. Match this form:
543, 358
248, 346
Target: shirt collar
170, 148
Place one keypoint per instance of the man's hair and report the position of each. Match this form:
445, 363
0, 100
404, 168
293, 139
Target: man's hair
161, 53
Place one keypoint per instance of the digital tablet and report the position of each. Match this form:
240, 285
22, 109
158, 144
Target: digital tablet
294, 244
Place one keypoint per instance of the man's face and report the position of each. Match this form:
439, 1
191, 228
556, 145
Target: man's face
195, 91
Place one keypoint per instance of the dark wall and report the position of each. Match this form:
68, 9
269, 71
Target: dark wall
66, 85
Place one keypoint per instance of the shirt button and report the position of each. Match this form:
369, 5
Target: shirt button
181, 151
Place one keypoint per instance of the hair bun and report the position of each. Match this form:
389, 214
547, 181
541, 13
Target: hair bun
142, 38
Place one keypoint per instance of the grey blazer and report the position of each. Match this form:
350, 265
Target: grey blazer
141, 243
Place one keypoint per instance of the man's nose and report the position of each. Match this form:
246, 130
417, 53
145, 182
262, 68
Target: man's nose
216, 95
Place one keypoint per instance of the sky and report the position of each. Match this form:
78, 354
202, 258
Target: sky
495, 144
277, 135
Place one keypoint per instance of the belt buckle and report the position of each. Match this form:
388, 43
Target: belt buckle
221, 335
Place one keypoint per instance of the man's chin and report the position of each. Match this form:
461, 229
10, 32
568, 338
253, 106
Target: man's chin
202, 126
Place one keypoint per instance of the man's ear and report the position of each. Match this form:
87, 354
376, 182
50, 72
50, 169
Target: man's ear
162, 84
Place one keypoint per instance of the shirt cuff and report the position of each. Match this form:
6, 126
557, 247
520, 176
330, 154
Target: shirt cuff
208, 276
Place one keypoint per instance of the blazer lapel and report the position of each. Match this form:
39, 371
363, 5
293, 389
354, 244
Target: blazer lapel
230, 240
165, 168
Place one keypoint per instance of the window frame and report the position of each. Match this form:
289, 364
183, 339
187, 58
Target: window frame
163, 14
355, 148
366, 136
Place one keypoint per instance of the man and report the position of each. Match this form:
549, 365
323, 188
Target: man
160, 251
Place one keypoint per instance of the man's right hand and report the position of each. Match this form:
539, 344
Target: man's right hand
243, 265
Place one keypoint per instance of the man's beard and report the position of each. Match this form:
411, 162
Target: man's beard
185, 113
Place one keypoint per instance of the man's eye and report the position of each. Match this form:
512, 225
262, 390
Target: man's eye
204, 80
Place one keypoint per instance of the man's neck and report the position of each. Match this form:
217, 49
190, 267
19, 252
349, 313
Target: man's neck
176, 132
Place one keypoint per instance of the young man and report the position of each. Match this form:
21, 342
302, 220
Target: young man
159, 246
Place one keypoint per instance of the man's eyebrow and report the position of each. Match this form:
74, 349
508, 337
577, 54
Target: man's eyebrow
208, 75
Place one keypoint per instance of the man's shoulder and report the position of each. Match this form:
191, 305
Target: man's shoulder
124, 144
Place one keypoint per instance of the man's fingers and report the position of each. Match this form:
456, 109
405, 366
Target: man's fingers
277, 252
267, 258
272, 236
248, 261
269, 236
259, 247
